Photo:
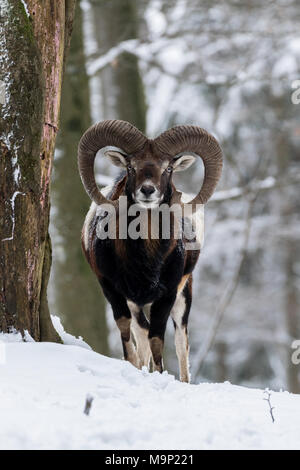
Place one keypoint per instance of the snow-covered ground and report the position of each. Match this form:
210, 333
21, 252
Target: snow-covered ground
44, 388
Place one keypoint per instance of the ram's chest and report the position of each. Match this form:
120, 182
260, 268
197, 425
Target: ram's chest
134, 272
141, 270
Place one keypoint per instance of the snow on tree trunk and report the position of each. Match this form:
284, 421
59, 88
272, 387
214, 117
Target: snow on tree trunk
34, 36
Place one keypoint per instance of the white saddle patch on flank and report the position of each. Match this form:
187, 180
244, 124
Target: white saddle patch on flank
197, 221
90, 215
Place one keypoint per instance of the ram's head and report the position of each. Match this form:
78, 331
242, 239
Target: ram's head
149, 164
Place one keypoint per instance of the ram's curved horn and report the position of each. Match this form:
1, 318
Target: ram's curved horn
185, 139
115, 133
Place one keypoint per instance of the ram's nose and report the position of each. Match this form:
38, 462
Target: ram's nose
147, 190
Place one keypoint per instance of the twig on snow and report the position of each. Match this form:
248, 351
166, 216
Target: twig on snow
88, 404
268, 399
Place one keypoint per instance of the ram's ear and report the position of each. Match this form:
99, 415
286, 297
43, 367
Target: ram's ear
183, 162
117, 158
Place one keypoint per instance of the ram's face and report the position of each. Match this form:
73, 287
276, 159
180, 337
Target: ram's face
149, 179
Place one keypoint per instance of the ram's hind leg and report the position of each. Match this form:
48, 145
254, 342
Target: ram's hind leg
140, 329
179, 314
122, 317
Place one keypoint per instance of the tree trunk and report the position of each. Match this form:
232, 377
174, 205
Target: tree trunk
78, 297
34, 38
287, 204
122, 86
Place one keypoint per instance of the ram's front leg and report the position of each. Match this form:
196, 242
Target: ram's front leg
140, 330
159, 314
122, 317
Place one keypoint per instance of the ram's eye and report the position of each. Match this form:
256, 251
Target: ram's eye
129, 167
169, 169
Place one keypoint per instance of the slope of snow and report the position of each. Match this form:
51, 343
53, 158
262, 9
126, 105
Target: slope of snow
44, 388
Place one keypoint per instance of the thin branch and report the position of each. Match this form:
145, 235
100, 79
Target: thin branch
234, 193
88, 404
101, 62
95, 65
229, 293
258, 185
268, 399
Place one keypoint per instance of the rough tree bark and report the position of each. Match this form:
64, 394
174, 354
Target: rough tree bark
34, 37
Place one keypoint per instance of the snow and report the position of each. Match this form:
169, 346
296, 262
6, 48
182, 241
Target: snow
66, 337
155, 19
111, 55
15, 337
2, 93
45, 387
26, 8
17, 171
12, 201
285, 66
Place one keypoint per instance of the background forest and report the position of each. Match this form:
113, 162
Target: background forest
228, 67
